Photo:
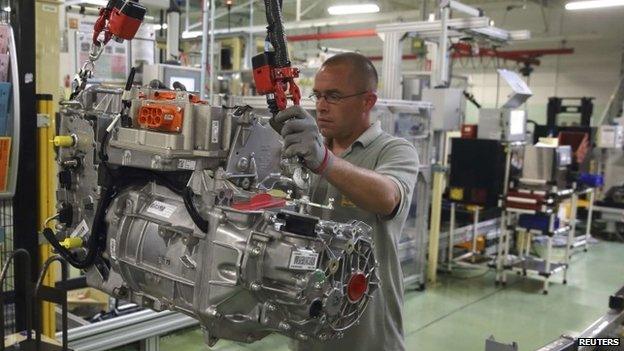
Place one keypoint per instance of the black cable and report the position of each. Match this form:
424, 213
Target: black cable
95, 241
200, 222
275, 32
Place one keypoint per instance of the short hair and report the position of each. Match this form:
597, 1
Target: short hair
362, 68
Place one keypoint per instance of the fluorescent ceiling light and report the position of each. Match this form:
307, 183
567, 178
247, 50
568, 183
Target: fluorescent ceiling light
593, 4
352, 9
86, 2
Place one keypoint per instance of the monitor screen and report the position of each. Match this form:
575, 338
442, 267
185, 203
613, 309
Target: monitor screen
189, 83
517, 121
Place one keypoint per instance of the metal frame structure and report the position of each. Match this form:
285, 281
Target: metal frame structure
25, 219
145, 326
442, 30
472, 254
525, 263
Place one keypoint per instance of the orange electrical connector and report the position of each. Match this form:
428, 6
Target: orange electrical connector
167, 118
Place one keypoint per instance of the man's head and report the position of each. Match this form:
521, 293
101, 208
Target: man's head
349, 81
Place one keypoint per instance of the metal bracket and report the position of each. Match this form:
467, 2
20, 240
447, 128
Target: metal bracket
43, 120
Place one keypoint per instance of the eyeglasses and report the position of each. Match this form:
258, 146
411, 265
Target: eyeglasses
332, 98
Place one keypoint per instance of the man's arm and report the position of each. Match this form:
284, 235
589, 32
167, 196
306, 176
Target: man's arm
379, 191
367, 189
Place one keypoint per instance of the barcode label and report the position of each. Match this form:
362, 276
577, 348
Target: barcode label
81, 229
113, 249
303, 260
214, 137
161, 209
187, 164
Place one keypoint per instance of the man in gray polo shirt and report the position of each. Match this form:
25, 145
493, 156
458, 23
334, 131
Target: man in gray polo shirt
369, 173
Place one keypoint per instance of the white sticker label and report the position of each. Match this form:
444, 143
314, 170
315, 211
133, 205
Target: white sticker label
187, 164
303, 260
81, 229
162, 209
113, 249
49, 8
215, 132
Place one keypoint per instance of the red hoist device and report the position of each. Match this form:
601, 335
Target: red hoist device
272, 72
119, 20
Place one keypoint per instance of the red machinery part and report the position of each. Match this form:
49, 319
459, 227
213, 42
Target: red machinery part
525, 200
357, 287
120, 18
161, 117
259, 202
275, 80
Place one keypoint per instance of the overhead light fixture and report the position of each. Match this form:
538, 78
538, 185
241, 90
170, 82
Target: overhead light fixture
353, 9
593, 4
101, 3
7, 9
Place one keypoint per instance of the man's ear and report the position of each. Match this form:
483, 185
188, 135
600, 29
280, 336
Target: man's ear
370, 100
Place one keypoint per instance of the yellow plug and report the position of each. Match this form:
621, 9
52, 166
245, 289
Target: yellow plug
277, 193
72, 243
64, 141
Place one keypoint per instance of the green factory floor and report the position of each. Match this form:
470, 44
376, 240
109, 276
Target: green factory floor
462, 311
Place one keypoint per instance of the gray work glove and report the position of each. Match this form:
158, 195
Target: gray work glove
302, 138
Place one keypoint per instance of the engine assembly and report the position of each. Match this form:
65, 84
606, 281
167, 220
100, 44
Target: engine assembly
175, 204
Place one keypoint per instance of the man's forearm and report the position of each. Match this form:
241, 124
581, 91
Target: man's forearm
367, 189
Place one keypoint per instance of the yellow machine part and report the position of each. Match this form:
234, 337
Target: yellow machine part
46, 188
47, 54
468, 244
456, 194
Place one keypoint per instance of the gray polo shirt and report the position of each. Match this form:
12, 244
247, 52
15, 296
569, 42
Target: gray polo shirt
381, 326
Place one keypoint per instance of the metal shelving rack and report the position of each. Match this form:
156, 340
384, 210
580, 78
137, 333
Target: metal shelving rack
6, 197
547, 204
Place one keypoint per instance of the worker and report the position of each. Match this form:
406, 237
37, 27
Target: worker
371, 175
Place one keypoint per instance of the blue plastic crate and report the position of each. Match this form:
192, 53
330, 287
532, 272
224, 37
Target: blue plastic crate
591, 180
5, 101
536, 222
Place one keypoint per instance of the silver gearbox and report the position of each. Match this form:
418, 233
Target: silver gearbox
200, 231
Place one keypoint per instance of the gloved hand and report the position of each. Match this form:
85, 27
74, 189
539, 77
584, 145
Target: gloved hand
302, 138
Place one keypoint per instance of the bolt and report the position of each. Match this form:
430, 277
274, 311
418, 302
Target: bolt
255, 287
284, 326
318, 285
256, 251
271, 307
242, 164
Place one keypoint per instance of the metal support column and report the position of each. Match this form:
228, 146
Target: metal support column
571, 235
25, 218
588, 222
551, 233
391, 65
475, 235
434, 231
204, 52
451, 238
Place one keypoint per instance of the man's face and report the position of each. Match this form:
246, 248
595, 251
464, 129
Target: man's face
340, 119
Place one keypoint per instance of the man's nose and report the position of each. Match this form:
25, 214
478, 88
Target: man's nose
321, 103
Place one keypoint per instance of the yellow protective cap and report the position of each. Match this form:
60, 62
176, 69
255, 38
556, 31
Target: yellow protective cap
72, 243
456, 194
277, 193
64, 141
